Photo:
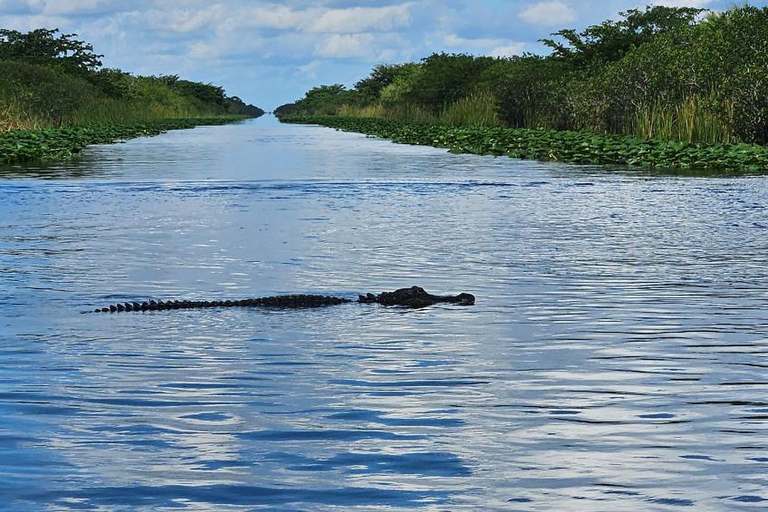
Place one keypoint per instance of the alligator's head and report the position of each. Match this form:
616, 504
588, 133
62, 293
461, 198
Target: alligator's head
464, 299
417, 297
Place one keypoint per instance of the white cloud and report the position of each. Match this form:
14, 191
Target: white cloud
276, 17
27, 23
309, 70
184, 20
363, 19
549, 14
54, 7
346, 46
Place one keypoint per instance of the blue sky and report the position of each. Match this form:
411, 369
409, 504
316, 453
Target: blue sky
270, 53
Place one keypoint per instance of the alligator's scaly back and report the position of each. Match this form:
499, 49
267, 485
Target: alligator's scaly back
413, 297
277, 301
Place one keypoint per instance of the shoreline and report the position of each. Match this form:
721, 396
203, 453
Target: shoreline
22, 146
583, 148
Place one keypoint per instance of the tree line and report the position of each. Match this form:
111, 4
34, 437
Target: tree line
52, 79
669, 73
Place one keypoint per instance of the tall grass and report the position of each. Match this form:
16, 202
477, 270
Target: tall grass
376, 111
13, 117
475, 110
691, 120
113, 111
36, 97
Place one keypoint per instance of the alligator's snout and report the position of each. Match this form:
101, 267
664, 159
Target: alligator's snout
465, 299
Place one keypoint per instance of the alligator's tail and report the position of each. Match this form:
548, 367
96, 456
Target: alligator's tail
278, 301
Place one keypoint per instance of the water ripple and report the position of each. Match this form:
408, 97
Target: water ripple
615, 359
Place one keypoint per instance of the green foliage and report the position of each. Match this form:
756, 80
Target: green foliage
445, 78
559, 145
45, 94
236, 106
286, 109
525, 88
732, 60
44, 47
382, 76
662, 72
611, 40
476, 110
396, 92
324, 100
52, 80
206, 93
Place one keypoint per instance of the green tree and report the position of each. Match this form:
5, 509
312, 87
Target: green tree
325, 100
611, 40
45, 47
381, 76
525, 88
445, 78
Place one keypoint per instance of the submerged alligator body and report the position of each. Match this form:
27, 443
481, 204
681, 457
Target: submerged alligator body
413, 297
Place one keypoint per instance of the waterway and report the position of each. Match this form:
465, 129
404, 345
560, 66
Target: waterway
616, 358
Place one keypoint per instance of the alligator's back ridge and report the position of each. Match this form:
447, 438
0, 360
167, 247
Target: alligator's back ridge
413, 297
277, 301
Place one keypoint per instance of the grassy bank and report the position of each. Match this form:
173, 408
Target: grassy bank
55, 99
53, 80
557, 145
19, 146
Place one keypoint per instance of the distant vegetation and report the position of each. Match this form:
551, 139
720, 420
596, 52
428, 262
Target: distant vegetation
675, 74
51, 80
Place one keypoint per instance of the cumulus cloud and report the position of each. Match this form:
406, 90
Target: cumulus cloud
363, 19
345, 45
309, 70
549, 14
371, 47
56, 7
184, 20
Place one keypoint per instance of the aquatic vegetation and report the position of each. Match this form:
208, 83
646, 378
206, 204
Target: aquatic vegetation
55, 143
558, 145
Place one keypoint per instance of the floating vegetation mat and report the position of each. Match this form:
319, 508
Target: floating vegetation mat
18, 146
559, 146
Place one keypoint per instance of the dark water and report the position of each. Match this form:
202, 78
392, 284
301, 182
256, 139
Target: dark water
616, 359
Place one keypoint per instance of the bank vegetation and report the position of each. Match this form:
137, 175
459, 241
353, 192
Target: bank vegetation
56, 98
663, 73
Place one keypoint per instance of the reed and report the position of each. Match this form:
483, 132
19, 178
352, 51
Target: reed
691, 120
13, 117
478, 109
475, 110
376, 111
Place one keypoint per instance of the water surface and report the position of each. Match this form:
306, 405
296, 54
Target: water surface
615, 359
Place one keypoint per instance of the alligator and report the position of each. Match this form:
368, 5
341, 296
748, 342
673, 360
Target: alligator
413, 297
